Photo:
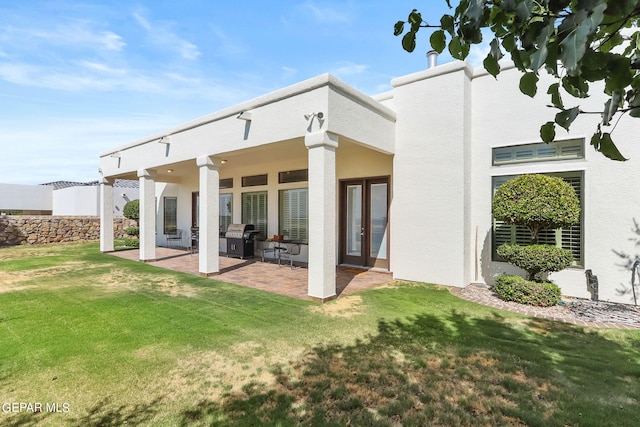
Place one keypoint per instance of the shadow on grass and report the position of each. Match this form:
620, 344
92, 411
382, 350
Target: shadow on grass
428, 370
104, 413
458, 371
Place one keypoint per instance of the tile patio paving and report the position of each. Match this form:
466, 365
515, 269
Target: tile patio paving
267, 276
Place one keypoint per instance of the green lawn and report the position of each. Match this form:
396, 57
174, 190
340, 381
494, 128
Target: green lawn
107, 341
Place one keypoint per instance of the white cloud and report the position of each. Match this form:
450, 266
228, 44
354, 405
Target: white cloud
142, 21
326, 14
160, 34
112, 41
288, 72
89, 76
68, 34
478, 53
184, 79
224, 45
103, 68
56, 148
349, 69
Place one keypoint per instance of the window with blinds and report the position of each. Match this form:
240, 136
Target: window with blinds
254, 211
170, 215
293, 176
540, 152
569, 238
226, 212
294, 214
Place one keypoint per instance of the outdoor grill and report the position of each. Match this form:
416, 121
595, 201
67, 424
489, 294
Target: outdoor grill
240, 240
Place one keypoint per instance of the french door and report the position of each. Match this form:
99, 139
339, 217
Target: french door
364, 222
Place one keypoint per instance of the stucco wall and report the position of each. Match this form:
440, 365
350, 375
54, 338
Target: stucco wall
449, 120
26, 197
85, 200
611, 190
17, 230
80, 200
428, 211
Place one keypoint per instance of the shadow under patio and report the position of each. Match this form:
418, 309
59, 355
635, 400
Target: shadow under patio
267, 276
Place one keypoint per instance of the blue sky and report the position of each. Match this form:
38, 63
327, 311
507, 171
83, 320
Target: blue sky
80, 77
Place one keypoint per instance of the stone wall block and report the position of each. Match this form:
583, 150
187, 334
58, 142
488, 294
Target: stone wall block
30, 229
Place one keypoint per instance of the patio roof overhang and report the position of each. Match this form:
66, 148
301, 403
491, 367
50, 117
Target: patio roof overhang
278, 117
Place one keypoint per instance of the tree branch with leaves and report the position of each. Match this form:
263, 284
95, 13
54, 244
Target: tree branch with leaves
578, 42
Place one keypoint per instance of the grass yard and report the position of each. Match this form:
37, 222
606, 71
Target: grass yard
97, 340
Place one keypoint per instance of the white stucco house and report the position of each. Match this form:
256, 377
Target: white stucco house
400, 181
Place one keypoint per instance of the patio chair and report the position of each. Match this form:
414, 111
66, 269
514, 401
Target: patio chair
264, 247
176, 236
292, 250
195, 240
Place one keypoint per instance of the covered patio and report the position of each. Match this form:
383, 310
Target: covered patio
266, 276
280, 162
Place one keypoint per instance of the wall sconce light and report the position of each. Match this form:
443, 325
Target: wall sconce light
223, 162
116, 155
169, 170
165, 140
318, 114
245, 115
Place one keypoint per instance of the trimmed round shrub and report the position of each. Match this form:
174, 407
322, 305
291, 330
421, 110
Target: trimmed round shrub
536, 259
520, 290
132, 210
536, 202
132, 231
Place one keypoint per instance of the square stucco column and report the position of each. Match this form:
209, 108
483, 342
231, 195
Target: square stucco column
147, 215
322, 214
106, 215
208, 252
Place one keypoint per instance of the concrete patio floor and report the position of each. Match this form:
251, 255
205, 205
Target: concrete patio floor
267, 276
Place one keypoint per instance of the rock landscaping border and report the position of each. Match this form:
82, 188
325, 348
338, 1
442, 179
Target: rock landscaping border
41, 229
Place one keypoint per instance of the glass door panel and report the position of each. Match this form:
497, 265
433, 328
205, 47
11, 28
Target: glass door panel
354, 220
364, 211
378, 221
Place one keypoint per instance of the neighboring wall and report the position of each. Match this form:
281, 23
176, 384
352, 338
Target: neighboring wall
17, 230
79, 200
26, 198
85, 200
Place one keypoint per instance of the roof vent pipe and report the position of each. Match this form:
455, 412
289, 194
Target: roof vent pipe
432, 57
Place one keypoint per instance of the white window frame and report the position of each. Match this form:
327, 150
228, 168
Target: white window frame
538, 152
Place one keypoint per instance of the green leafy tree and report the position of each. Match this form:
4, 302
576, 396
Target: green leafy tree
537, 202
593, 40
131, 210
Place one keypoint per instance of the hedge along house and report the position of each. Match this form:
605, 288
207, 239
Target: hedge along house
401, 181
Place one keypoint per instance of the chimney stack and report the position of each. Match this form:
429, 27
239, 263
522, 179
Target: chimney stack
432, 58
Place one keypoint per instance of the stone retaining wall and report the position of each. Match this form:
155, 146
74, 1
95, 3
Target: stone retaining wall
32, 229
